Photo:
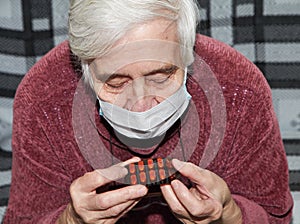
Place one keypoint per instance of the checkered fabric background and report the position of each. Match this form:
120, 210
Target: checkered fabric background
265, 31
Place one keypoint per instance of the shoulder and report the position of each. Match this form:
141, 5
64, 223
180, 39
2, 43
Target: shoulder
229, 66
242, 85
49, 79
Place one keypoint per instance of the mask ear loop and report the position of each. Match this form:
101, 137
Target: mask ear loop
190, 183
113, 184
111, 150
181, 144
179, 129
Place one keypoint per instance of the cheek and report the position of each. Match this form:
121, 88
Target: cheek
179, 78
176, 83
102, 93
116, 99
98, 89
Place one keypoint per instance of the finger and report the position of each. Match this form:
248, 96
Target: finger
114, 212
112, 173
186, 198
173, 201
119, 210
198, 193
127, 209
109, 199
193, 203
92, 180
195, 173
209, 184
132, 160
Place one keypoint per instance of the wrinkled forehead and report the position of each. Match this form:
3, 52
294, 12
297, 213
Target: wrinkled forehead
166, 52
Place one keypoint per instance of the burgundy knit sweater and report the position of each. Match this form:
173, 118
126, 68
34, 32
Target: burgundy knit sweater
53, 140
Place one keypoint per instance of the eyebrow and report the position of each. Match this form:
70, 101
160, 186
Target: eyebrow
169, 69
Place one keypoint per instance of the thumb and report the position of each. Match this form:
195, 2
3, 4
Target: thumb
190, 170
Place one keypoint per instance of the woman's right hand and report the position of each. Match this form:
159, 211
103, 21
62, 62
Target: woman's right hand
89, 207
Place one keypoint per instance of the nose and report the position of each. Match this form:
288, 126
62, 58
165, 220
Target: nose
141, 99
138, 88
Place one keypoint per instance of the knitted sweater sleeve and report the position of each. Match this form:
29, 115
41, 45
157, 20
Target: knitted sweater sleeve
257, 171
253, 162
40, 182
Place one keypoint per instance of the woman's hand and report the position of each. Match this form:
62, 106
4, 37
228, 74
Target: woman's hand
209, 200
89, 207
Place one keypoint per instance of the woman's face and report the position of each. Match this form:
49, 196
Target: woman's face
142, 69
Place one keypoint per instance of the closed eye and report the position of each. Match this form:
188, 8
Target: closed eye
116, 86
160, 79
117, 83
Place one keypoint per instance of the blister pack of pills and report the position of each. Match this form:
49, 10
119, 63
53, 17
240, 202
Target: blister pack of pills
151, 172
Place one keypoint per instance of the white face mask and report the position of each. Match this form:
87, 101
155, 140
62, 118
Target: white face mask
148, 124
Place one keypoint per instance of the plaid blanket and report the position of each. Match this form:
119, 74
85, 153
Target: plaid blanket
265, 31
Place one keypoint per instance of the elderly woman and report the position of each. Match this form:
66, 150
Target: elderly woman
134, 85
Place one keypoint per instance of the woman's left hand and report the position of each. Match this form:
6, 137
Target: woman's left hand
209, 200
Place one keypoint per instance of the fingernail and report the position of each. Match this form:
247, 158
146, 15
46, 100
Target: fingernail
142, 191
136, 158
177, 164
174, 184
124, 171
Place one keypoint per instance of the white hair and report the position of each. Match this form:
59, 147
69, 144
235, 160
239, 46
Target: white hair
95, 25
